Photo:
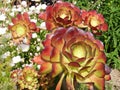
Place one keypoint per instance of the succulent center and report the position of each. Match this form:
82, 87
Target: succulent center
79, 50
64, 14
28, 78
20, 30
63, 17
94, 22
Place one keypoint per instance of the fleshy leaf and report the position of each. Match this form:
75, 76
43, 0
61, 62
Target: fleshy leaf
69, 82
46, 68
58, 87
56, 69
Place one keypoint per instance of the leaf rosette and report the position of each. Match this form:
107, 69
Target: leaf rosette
22, 28
61, 14
75, 54
93, 21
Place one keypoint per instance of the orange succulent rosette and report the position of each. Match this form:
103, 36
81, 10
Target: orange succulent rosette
94, 21
75, 55
61, 14
26, 78
22, 28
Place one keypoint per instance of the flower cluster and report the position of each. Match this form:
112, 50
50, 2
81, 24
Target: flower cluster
64, 14
60, 45
71, 52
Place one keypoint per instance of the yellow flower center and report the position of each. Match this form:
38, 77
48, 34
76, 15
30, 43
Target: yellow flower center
79, 50
29, 79
94, 22
64, 14
20, 30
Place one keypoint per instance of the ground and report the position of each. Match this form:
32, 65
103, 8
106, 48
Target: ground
114, 83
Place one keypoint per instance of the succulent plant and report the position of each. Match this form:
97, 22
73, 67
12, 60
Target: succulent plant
22, 28
93, 21
26, 78
61, 14
75, 55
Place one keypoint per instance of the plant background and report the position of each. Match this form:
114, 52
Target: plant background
111, 39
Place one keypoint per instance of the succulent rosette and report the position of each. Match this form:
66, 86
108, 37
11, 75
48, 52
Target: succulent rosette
22, 28
61, 14
94, 21
26, 78
75, 55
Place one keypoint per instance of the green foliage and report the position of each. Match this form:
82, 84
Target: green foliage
111, 39
5, 81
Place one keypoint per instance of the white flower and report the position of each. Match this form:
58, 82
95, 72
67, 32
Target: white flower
25, 40
30, 65
34, 35
5, 55
38, 48
38, 39
38, 8
8, 1
16, 59
24, 47
43, 6
12, 14
19, 9
74, 2
2, 30
42, 25
14, 9
32, 8
24, 3
2, 17
38, 66
34, 20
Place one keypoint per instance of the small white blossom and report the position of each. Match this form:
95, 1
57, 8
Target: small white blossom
24, 47
32, 8
34, 20
38, 48
34, 35
74, 2
14, 9
24, 3
12, 14
30, 65
2, 17
38, 8
8, 35
43, 6
16, 59
38, 39
25, 40
38, 66
36, 54
31, 54
5, 55
8, 1
3, 30
42, 25
19, 9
